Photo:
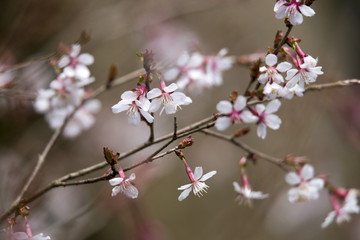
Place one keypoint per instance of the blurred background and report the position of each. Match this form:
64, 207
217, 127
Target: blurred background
324, 126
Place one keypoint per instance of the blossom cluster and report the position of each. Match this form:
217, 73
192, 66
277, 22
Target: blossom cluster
196, 71
66, 94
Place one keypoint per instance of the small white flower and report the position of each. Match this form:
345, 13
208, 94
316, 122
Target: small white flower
307, 187
234, 113
271, 73
305, 74
124, 185
342, 214
24, 236
135, 103
246, 195
274, 90
265, 117
294, 9
75, 65
215, 65
168, 98
198, 185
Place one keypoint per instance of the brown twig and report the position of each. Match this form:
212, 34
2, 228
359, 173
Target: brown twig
27, 63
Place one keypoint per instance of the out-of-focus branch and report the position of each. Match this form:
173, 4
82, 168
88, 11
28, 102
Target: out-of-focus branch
27, 63
342, 83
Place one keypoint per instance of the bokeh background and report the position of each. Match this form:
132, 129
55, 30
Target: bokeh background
324, 126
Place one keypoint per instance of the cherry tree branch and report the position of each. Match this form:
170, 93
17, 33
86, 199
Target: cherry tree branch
27, 63
342, 83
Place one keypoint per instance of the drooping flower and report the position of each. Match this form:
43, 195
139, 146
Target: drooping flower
136, 105
168, 98
265, 118
342, 213
75, 65
123, 185
197, 184
233, 113
24, 236
306, 186
293, 9
215, 65
271, 73
246, 194
306, 73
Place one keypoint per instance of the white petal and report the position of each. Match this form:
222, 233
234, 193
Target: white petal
283, 67
292, 178
184, 194
132, 177
273, 121
291, 73
82, 71
207, 176
120, 107
296, 18
183, 187
271, 59
134, 118
318, 183
155, 105
180, 98
237, 187
131, 191
223, 123
248, 117
75, 50
240, 103
171, 74
69, 71
224, 107
115, 191
153, 93
63, 61
147, 116
329, 219
115, 181
293, 195
129, 95
86, 59
260, 108
273, 106
307, 11
263, 78
183, 59
307, 172
196, 60
171, 88
198, 173
261, 130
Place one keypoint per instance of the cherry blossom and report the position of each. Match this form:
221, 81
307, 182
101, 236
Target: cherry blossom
168, 98
24, 236
123, 185
274, 90
293, 9
197, 184
136, 105
265, 117
233, 113
75, 65
306, 73
215, 65
306, 186
342, 213
246, 195
271, 73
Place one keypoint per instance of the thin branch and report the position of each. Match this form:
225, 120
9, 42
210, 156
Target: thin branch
276, 161
283, 39
342, 83
27, 63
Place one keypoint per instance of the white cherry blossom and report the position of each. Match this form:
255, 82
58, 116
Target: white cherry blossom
124, 185
306, 186
233, 113
136, 105
342, 213
168, 98
271, 73
274, 90
75, 65
305, 74
293, 9
266, 118
246, 195
215, 65
197, 184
